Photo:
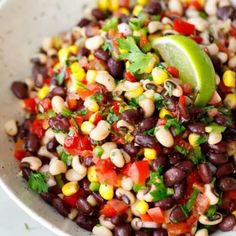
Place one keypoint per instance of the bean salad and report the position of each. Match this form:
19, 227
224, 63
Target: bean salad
112, 137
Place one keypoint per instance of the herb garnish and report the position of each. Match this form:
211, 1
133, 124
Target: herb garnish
149, 131
37, 182
182, 150
178, 126
196, 156
110, 24
107, 46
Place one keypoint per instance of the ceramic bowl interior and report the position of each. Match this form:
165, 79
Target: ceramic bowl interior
23, 25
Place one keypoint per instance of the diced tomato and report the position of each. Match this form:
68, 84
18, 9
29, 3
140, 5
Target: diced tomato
139, 171
30, 105
96, 88
187, 88
173, 71
146, 218
201, 204
182, 100
115, 107
124, 3
157, 215
161, 121
197, 5
71, 200
83, 93
130, 77
224, 88
20, 154
98, 117
192, 179
71, 141
72, 104
197, 39
230, 194
36, 127
232, 31
46, 104
125, 169
183, 27
108, 211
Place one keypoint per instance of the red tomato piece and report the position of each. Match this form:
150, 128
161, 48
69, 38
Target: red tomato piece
36, 127
173, 71
201, 204
157, 215
98, 117
187, 88
20, 154
197, 39
83, 93
130, 77
71, 200
30, 105
183, 27
139, 171
116, 107
192, 179
46, 104
71, 141
114, 207
146, 218
125, 169
182, 100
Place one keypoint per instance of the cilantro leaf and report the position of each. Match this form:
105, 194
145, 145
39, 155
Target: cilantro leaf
111, 118
181, 150
159, 101
202, 139
66, 112
65, 157
178, 127
98, 97
138, 187
111, 23
189, 205
139, 60
107, 46
196, 156
133, 102
149, 131
37, 182
60, 77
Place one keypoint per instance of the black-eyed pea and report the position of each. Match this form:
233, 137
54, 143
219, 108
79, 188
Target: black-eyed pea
164, 136
11, 128
148, 106
78, 167
100, 230
107, 147
57, 167
58, 104
49, 135
94, 43
60, 137
124, 124
203, 219
105, 222
177, 91
101, 131
127, 183
126, 196
202, 232
43, 151
104, 78
34, 162
72, 175
117, 158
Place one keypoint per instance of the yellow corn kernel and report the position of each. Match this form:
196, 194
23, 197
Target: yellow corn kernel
57, 66
86, 127
164, 112
106, 191
78, 71
92, 174
152, 37
91, 76
91, 57
129, 137
57, 41
127, 65
151, 65
229, 79
134, 93
92, 117
150, 153
193, 138
43, 92
63, 55
159, 76
142, 2
124, 11
73, 49
141, 207
137, 9
70, 188
103, 4
93, 107
234, 213
230, 100
114, 5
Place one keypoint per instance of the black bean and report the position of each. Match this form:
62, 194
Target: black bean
220, 119
39, 72
227, 183
83, 206
131, 149
84, 22
153, 7
32, 143
179, 190
20, 89
219, 147
225, 12
86, 222
60, 206
60, 123
218, 158
98, 198
187, 166
177, 215
26, 173
85, 185
146, 140
173, 176
83, 52
175, 158
229, 134
198, 128
116, 68
101, 54
59, 91
182, 113
233, 16
217, 64
52, 145
160, 161
225, 170
147, 124
123, 230
165, 204
160, 232
98, 14
227, 224
141, 233
48, 197
204, 172
119, 219
88, 161
132, 116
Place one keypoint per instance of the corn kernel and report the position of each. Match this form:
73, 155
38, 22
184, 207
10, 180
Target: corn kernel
151, 64
134, 93
57, 66
164, 112
229, 79
142, 2
193, 138
159, 76
87, 127
78, 71
106, 191
114, 5
92, 174
91, 76
57, 42
93, 107
141, 207
137, 9
92, 117
43, 92
73, 49
63, 55
230, 100
234, 213
91, 57
70, 188
103, 4
124, 11
127, 65
150, 153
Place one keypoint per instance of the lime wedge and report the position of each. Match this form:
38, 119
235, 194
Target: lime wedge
194, 65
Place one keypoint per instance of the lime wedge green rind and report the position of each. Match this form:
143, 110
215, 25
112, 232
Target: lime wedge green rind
194, 65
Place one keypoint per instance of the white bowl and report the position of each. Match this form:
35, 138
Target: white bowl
23, 25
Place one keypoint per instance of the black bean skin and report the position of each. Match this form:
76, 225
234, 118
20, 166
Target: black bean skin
32, 143
131, 149
204, 172
116, 68
160, 161
225, 12
165, 204
141, 233
182, 113
83, 206
39, 73
227, 183
59, 91
225, 170
179, 190
146, 140
123, 230
153, 7
147, 124
219, 147
48, 197
101, 54
98, 14
84, 22
60, 123
98, 198
229, 134
187, 166
26, 173
132, 116
175, 158
198, 128
220, 119
52, 145
218, 158
177, 215
20, 89
173, 176
60, 206
83, 52
160, 232
86, 222
85, 185
227, 224
119, 219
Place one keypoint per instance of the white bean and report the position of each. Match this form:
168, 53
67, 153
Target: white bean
212, 49
199, 23
44, 152
107, 223
164, 136
51, 181
104, 78
58, 104
34, 162
47, 43
205, 221
125, 29
101, 231
11, 128
216, 98
91, 200
60, 137
74, 212
125, 124
121, 193
232, 62
191, 12
127, 183
72, 175
49, 135
222, 56
117, 158
148, 106
154, 26
136, 223
232, 44
57, 167
94, 42
107, 147
202, 232
214, 138
165, 20
101, 131
129, 86
213, 199
210, 7
77, 166
175, 6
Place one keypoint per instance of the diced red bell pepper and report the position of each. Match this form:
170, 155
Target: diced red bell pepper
20, 152
71, 200
201, 204
146, 218
125, 169
83, 93
36, 127
71, 142
187, 88
173, 71
115, 107
197, 39
98, 117
182, 100
183, 27
30, 105
139, 171
130, 77
46, 104
157, 215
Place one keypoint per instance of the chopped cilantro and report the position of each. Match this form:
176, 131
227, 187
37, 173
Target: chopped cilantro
182, 150
137, 23
83, 111
178, 127
159, 101
107, 46
202, 14
66, 112
110, 24
98, 97
211, 211
149, 131
37, 182
60, 77
75, 123
133, 102
139, 60
138, 187
202, 139
65, 157
111, 118
196, 156
214, 127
